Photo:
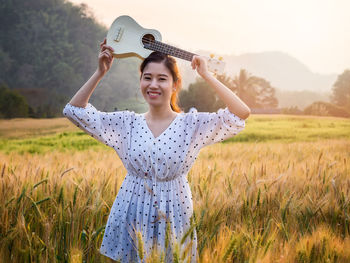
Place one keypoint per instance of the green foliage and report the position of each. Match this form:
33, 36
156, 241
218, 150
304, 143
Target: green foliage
48, 50
326, 109
73, 141
258, 129
12, 104
341, 90
255, 91
291, 129
133, 104
292, 110
120, 87
301, 99
201, 96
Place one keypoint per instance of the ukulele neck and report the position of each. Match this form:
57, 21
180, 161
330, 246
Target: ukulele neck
170, 50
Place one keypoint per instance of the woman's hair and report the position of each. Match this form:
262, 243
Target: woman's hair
170, 63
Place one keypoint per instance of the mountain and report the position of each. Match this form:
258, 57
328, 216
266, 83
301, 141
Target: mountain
280, 69
295, 83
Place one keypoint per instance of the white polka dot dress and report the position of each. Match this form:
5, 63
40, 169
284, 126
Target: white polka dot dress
155, 193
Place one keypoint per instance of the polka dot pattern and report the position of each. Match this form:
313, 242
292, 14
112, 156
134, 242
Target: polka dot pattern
155, 190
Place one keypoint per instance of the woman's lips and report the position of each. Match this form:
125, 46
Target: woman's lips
153, 94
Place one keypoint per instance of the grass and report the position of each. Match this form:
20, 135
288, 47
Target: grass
41, 136
254, 201
65, 142
30, 128
288, 128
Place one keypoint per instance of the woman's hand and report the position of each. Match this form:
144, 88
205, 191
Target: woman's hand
200, 63
105, 58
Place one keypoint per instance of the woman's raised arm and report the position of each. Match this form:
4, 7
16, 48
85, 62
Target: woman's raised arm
232, 101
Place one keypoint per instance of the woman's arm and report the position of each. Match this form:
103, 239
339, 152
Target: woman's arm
232, 101
81, 98
105, 60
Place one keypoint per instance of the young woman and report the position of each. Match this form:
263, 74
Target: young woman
158, 149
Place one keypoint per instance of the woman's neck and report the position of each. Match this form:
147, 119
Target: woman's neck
160, 113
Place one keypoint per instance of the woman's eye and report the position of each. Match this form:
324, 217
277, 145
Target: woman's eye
162, 79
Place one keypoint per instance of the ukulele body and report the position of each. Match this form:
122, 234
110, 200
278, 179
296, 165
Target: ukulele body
127, 38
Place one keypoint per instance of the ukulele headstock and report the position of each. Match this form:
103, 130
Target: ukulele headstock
215, 65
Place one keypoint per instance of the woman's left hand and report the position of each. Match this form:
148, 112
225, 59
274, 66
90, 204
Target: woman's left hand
200, 63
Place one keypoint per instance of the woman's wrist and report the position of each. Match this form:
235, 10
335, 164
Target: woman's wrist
207, 76
98, 73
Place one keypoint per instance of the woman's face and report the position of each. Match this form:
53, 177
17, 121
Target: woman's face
156, 84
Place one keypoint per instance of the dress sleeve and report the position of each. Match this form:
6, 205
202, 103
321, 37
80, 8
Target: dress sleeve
110, 128
213, 127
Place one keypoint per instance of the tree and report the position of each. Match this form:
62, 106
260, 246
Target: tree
341, 90
12, 104
292, 110
322, 108
256, 92
265, 94
199, 95
52, 46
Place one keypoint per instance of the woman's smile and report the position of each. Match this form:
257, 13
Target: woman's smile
153, 94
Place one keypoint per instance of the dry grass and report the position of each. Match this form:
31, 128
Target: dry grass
28, 128
266, 202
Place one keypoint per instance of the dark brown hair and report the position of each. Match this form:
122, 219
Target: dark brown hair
170, 63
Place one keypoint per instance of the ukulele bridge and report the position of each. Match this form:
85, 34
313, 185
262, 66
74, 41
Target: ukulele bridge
119, 33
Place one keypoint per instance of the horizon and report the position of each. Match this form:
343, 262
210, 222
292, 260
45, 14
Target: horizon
313, 32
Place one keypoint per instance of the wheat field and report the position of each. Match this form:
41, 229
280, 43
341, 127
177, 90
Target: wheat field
269, 201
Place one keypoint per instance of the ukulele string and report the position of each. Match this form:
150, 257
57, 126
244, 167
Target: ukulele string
165, 48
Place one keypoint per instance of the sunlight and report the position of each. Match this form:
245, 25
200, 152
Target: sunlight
311, 31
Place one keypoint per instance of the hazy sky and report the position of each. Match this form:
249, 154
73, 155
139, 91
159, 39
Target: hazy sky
317, 32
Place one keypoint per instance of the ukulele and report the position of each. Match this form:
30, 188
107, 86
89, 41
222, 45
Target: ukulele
128, 39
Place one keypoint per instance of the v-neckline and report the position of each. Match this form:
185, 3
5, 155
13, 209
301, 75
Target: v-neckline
145, 121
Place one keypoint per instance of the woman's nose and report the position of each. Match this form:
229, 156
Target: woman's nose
153, 83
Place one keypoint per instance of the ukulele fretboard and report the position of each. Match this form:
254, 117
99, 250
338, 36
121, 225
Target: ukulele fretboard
170, 50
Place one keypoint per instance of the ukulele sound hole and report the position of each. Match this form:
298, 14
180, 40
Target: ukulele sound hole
148, 39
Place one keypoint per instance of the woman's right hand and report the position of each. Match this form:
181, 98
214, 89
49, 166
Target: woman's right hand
105, 58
